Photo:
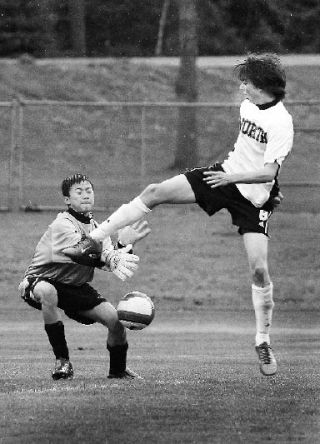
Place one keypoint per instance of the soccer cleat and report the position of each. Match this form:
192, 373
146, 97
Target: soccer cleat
127, 374
86, 252
62, 370
267, 361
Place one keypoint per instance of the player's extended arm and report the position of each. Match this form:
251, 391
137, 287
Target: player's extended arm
220, 178
121, 262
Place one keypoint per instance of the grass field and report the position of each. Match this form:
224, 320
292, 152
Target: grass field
201, 379
202, 383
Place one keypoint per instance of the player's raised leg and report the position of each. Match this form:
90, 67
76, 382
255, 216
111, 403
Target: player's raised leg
117, 343
176, 190
46, 293
256, 245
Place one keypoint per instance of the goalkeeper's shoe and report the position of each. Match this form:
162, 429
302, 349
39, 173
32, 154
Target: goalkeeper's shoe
127, 374
86, 252
267, 361
62, 370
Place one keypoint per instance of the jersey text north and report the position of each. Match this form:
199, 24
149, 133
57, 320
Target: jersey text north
253, 131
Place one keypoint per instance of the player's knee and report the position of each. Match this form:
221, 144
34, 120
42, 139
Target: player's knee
260, 276
117, 329
152, 195
111, 321
106, 314
45, 293
114, 325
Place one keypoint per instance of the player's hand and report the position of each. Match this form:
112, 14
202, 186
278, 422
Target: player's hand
27, 295
122, 263
216, 178
134, 233
23, 286
277, 199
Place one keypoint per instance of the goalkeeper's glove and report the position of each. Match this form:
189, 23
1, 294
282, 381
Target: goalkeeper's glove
120, 262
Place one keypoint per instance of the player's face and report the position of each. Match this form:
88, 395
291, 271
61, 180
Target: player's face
250, 91
81, 197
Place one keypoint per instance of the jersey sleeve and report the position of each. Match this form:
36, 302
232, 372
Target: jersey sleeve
107, 244
63, 234
279, 145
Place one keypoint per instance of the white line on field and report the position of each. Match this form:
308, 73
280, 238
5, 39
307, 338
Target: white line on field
163, 328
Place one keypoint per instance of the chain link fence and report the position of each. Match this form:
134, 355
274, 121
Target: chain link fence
124, 146
9, 130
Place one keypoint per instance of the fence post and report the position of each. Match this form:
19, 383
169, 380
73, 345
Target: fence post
143, 147
16, 157
20, 149
11, 159
13, 199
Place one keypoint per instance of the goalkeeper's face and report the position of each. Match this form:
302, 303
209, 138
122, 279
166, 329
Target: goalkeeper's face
81, 197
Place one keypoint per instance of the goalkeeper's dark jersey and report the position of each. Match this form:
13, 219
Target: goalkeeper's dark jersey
49, 261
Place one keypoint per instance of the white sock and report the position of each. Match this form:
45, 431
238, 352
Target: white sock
127, 214
262, 299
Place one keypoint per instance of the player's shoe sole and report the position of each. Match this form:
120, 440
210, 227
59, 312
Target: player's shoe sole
127, 374
63, 370
85, 252
267, 361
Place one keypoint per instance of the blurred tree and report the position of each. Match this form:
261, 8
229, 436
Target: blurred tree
49, 21
186, 85
21, 28
216, 36
162, 24
122, 27
77, 27
130, 28
259, 28
301, 22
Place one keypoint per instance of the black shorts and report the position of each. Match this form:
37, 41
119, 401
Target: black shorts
71, 299
244, 214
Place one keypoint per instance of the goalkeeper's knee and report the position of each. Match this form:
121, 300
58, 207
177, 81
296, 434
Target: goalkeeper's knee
46, 293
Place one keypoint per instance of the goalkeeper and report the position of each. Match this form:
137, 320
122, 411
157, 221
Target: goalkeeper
53, 281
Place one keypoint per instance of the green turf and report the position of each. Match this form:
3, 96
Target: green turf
201, 383
188, 257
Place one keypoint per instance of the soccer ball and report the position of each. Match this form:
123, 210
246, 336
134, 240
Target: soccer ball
135, 310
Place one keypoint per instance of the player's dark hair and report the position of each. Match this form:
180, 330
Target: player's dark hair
265, 72
71, 180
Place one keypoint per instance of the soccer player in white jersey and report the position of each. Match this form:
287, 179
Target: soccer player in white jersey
245, 184
52, 281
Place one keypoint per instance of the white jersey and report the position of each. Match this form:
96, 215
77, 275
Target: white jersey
266, 136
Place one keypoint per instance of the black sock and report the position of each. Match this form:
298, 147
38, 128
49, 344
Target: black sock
57, 339
118, 358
